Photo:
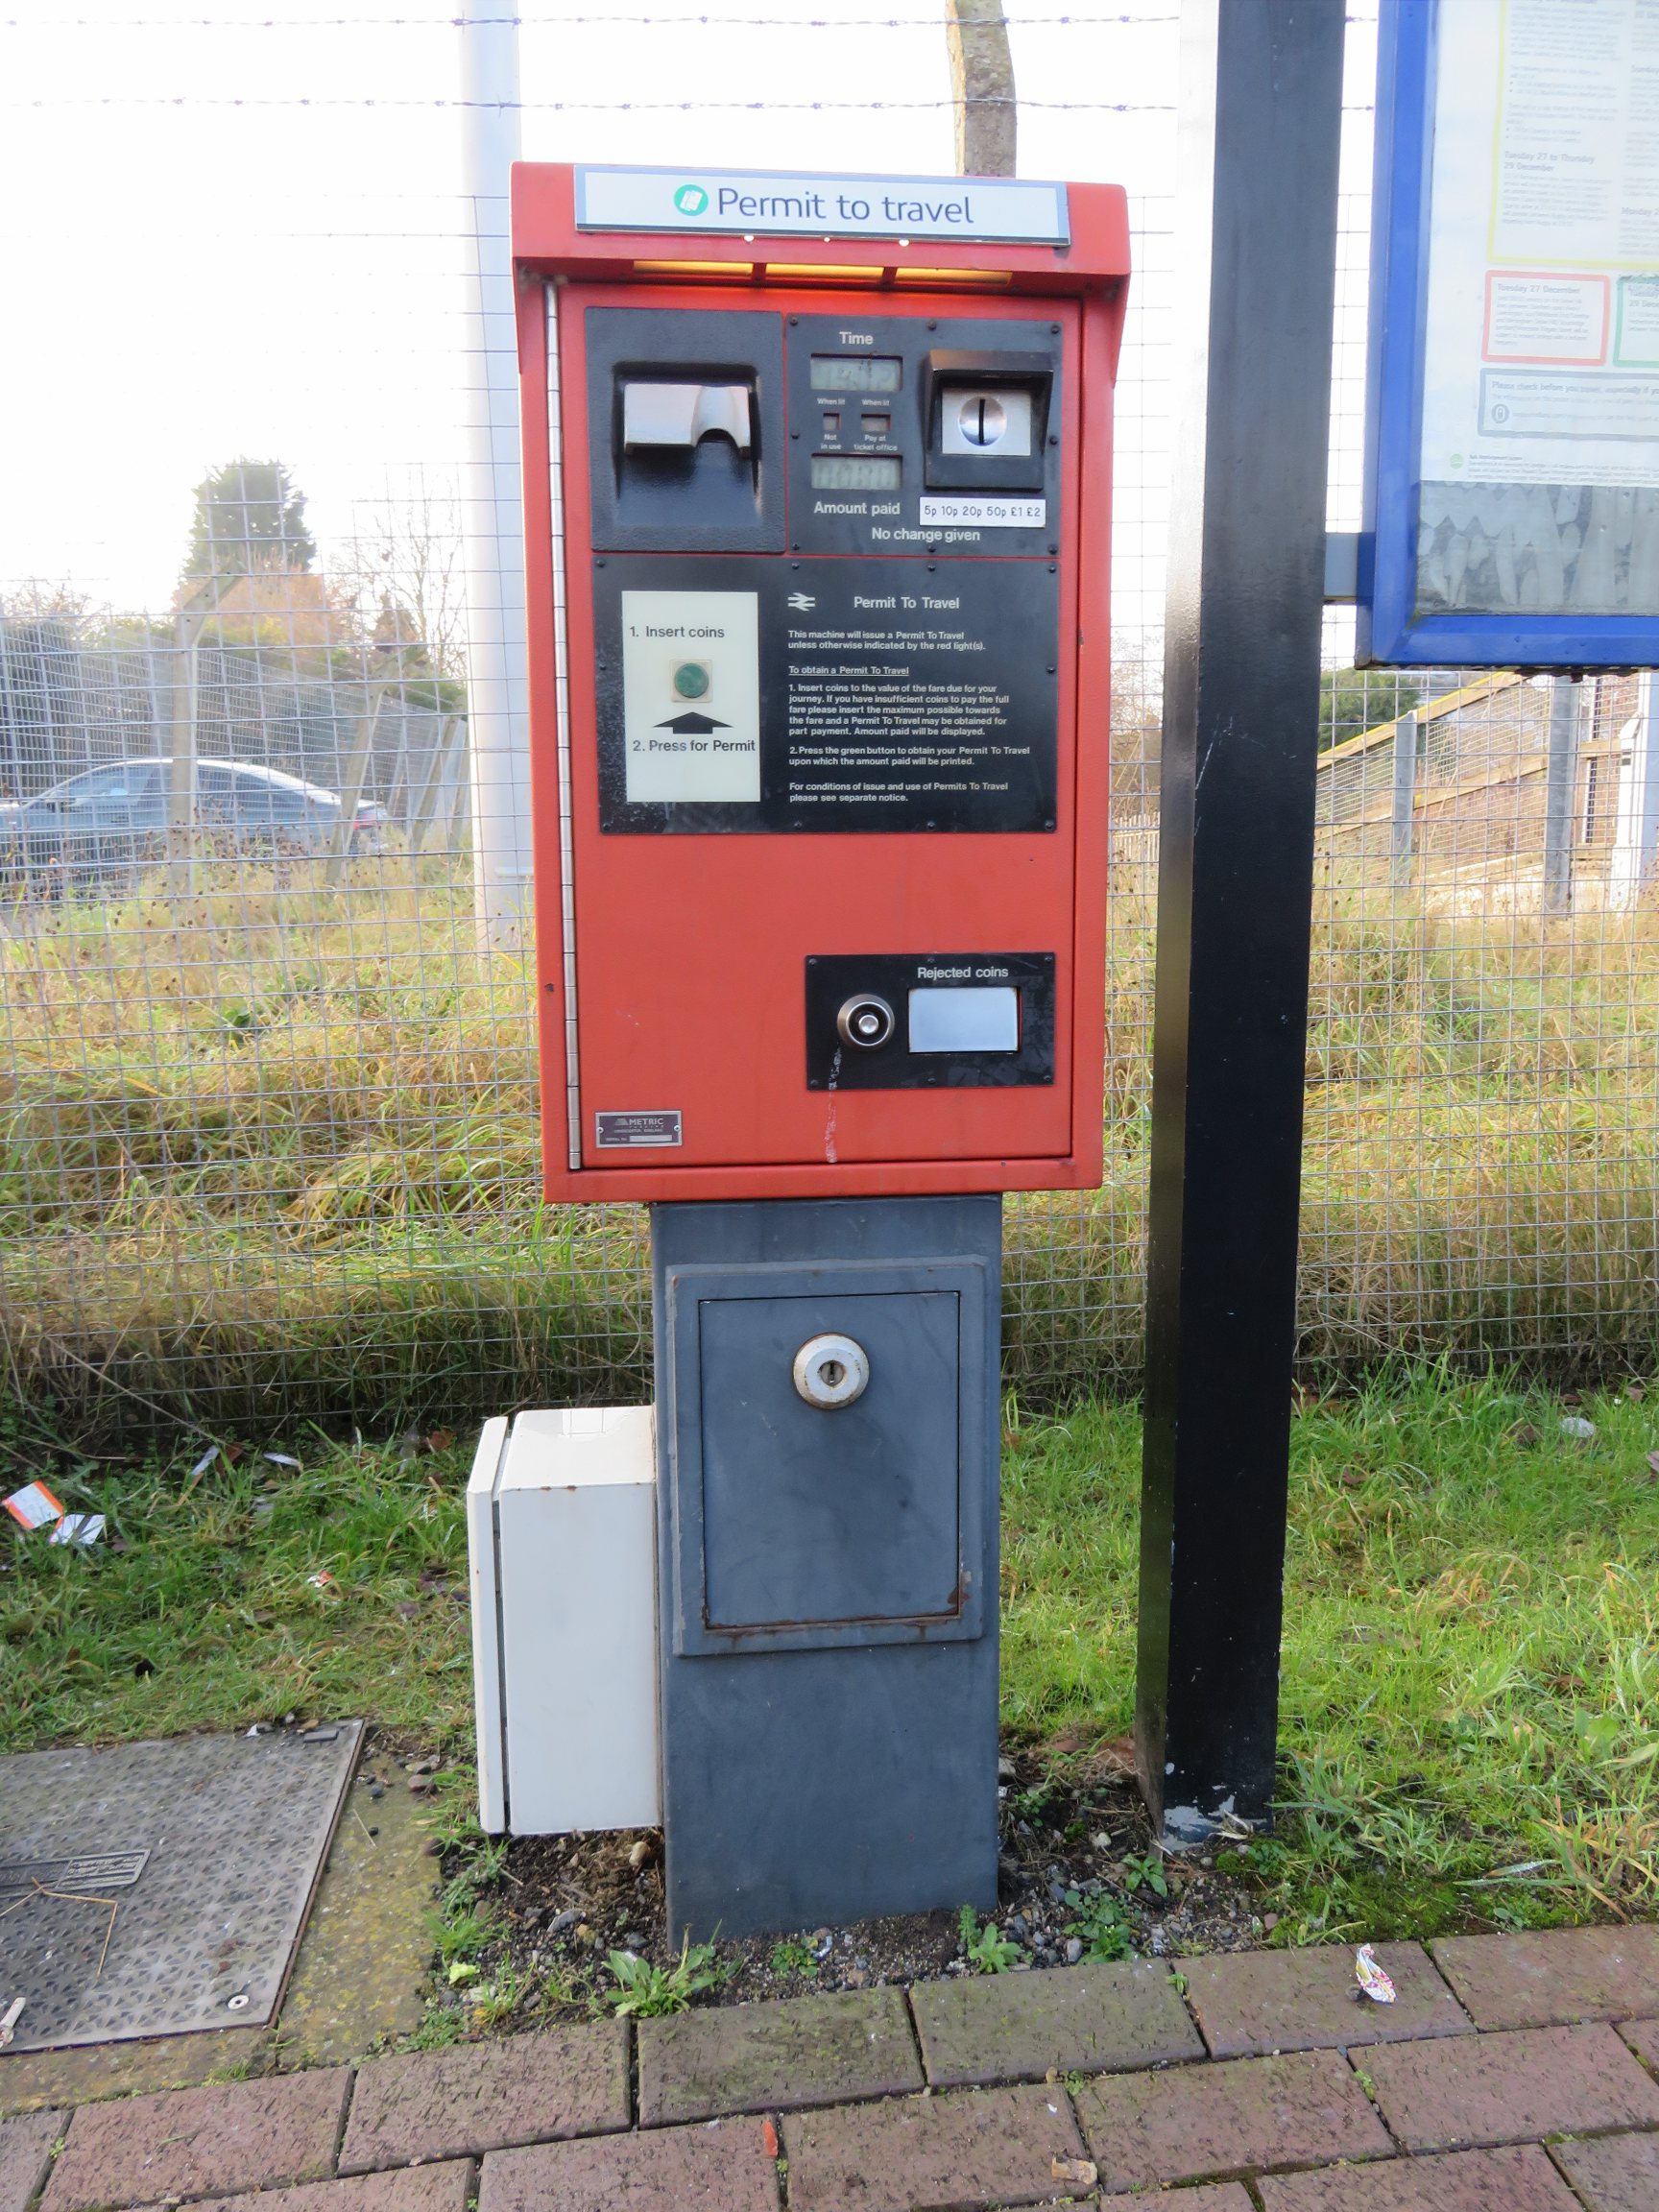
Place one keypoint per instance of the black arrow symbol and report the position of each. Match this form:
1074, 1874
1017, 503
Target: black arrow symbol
692, 725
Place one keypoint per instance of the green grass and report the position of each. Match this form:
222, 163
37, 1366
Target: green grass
201, 1613
1471, 1652
1471, 1668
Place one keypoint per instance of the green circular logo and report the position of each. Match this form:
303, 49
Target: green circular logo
691, 679
690, 199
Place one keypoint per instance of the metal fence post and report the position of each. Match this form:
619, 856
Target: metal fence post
351, 785
181, 747
1401, 829
492, 508
1560, 792
1261, 89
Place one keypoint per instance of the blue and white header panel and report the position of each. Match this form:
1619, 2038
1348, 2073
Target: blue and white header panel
1513, 436
781, 204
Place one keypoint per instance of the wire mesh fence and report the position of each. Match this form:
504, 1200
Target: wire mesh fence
268, 1119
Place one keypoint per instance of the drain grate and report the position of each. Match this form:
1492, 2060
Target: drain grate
156, 1889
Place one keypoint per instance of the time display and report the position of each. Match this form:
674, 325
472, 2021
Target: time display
856, 372
854, 471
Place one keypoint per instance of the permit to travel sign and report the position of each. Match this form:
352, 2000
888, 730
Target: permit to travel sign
782, 203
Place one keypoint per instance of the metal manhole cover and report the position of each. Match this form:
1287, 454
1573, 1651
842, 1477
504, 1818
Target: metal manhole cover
155, 1888
91, 1870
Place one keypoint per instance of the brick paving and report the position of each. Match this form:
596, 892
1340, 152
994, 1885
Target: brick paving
1511, 2088
978, 2146
1521, 2179
1548, 1981
766, 2058
1516, 2074
25, 2155
724, 2166
403, 2189
1025, 2026
1250, 2002
452, 2104
1304, 2109
211, 2142
1613, 2173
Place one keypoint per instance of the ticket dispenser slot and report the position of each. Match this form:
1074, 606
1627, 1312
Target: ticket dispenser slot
687, 430
987, 421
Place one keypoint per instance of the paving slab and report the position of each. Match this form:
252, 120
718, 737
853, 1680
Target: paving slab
455, 2104
1071, 2020
1614, 2173
1303, 2109
86, 2071
1521, 2179
723, 2166
1552, 1977
413, 2189
766, 2058
1252, 2002
1509, 2088
210, 2142
359, 1976
1643, 2037
982, 2147
25, 2154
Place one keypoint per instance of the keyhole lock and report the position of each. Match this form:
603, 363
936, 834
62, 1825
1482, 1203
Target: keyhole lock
831, 1371
983, 419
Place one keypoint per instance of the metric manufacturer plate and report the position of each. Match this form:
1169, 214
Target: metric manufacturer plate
156, 1889
85, 1870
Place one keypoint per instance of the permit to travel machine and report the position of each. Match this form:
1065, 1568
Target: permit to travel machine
817, 498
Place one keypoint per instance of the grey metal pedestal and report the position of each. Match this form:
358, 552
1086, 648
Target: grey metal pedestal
828, 1571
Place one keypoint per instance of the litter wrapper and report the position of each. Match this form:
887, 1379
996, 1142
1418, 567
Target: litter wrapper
1372, 1978
79, 1528
32, 1506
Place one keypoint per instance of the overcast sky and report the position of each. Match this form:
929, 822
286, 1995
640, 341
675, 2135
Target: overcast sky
239, 236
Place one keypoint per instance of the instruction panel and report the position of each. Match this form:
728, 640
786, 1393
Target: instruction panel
1539, 459
827, 695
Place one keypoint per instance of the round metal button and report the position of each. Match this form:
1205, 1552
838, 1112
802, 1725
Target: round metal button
865, 1021
831, 1371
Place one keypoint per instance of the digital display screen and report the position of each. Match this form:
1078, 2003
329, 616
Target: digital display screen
854, 471
856, 373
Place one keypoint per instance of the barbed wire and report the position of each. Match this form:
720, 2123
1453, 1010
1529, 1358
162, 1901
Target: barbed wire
606, 106
606, 19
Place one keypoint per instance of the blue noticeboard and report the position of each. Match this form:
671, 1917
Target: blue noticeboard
1512, 401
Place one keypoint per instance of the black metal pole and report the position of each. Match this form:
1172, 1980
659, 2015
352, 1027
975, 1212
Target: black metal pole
1261, 98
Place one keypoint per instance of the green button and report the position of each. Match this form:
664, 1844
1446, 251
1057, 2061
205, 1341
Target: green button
691, 680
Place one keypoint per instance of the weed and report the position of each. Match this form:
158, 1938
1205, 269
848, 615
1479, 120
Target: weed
650, 1992
1146, 1873
793, 1957
986, 1949
493, 2004
1099, 1921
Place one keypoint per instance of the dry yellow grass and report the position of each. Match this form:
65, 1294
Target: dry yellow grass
280, 1150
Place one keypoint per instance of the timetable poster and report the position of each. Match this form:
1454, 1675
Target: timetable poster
1539, 461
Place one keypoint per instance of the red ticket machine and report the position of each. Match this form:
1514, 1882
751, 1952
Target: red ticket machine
817, 498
